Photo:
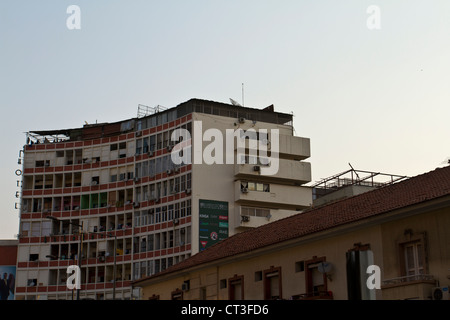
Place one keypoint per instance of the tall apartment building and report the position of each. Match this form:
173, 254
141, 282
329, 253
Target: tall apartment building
111, 193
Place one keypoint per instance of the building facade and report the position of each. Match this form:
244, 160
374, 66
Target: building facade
326, 252
111, 194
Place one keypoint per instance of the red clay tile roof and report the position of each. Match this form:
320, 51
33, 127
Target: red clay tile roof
409, 192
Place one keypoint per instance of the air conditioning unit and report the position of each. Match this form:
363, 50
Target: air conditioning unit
136, 179
256, 168
185, 286
169, 147
244, 190
241, 120
176, 221
156, 200
136, 204
245, 218
440, 293
168, 172
150, 153
138, 133
188, 191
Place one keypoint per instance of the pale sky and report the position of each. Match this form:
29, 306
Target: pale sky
377, 98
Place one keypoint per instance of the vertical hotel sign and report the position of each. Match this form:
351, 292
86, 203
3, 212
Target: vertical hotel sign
213, 219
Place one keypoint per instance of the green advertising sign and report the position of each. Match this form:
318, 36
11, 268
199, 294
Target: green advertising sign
213, 219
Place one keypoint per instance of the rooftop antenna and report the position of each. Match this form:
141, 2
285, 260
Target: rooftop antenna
243, 94
354, 171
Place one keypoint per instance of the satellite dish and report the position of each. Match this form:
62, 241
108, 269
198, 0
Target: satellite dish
235, 103
325, 267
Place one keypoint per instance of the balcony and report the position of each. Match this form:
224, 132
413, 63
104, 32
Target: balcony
289, 147
409, 287
296, 148
289, 171
319, 295
276, 195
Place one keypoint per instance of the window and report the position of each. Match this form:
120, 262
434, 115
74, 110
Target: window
188, 181
412, 255
152, 143
137, 171
35, 229
413, 258
145, 145
46, 228
33, 257
32, 282
177, 210
272, 284
164, 213
300, 266
188, 207
252, 211
143, 269
315, 280
357, 261
183, 183
183, 209
164, 188
255, 186
42, 163
139, 146
236, 288
223, 284
25, 229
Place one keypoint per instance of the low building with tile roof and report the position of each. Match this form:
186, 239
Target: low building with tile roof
325, 252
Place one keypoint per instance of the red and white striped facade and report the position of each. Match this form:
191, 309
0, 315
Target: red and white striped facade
60, 195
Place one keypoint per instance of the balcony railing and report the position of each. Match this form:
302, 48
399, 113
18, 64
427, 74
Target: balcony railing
318, 295
412, 287
407, 279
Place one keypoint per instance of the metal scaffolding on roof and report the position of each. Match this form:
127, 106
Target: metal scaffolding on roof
144, 110
357, 177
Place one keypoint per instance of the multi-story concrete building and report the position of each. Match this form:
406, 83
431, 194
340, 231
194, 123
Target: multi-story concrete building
112, 194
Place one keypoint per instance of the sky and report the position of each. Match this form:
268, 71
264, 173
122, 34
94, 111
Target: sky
368, 86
